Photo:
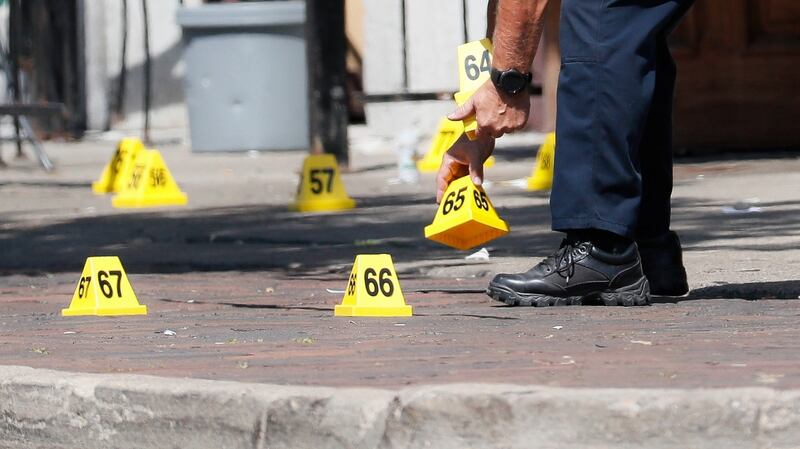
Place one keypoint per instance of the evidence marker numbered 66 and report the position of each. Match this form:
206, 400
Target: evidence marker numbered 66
373, 289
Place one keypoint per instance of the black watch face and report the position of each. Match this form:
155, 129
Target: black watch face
512, 82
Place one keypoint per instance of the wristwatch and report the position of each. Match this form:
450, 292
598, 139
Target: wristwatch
510, 81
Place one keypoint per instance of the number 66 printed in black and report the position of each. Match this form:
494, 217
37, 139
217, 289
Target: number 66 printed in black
382, 284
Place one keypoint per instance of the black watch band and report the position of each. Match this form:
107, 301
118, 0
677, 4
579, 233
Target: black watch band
510, 81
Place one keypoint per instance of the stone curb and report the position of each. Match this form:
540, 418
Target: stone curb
45, 408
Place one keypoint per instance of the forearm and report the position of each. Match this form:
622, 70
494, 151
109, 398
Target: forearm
491, 16
517, 27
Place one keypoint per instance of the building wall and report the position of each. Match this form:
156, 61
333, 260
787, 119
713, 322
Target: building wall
410, 49
103, 28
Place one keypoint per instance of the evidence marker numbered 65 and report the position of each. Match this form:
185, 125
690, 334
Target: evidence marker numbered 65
466, 217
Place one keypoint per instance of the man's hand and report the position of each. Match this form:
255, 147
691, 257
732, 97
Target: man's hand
465, 157
496, 112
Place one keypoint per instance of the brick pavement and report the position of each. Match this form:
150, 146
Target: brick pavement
256, 275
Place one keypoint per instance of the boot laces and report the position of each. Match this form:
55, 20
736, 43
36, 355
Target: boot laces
563, 261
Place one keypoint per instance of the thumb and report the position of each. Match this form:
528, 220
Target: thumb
475, 167
465, 110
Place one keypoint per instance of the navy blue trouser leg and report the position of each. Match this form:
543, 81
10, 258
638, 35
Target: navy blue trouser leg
613, 163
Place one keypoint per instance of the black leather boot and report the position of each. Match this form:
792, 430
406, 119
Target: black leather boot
662, 263
577, 271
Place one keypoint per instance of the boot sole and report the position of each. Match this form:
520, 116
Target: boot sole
637, 294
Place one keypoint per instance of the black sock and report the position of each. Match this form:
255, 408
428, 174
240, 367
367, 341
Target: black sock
605, 240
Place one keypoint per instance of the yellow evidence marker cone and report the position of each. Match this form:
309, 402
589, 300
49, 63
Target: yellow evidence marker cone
449, 131
149, 184
321, 188
373, 289
542, 176
466, 218
115, 172
104, 289
474, 67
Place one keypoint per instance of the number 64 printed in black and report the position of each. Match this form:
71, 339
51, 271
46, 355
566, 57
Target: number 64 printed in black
473, 70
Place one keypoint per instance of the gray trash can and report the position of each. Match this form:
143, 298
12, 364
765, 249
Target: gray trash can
245, 80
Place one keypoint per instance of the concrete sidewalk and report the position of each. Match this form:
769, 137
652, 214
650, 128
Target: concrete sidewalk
244, 283
42, 408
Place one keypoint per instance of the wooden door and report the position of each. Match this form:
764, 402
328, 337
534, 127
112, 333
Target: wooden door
738, 74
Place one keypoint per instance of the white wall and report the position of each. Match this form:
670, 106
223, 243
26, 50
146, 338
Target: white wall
419, 58
103, 40
410, 47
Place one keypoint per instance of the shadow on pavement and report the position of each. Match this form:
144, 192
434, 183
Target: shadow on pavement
750, 291
247, 238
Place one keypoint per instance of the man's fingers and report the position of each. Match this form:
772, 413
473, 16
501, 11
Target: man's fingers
465, 110
476, 169
441, 184
442, 179
449, 170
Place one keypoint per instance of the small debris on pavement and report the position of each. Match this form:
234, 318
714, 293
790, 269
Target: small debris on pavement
190, 301
243, 364
269, 290
765, 378
304, 340
748, 206
482, 255
168, 332
558, 328
69, 332
642, 342
42, 351
367, 242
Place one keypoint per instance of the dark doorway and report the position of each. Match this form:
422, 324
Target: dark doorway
50, 57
